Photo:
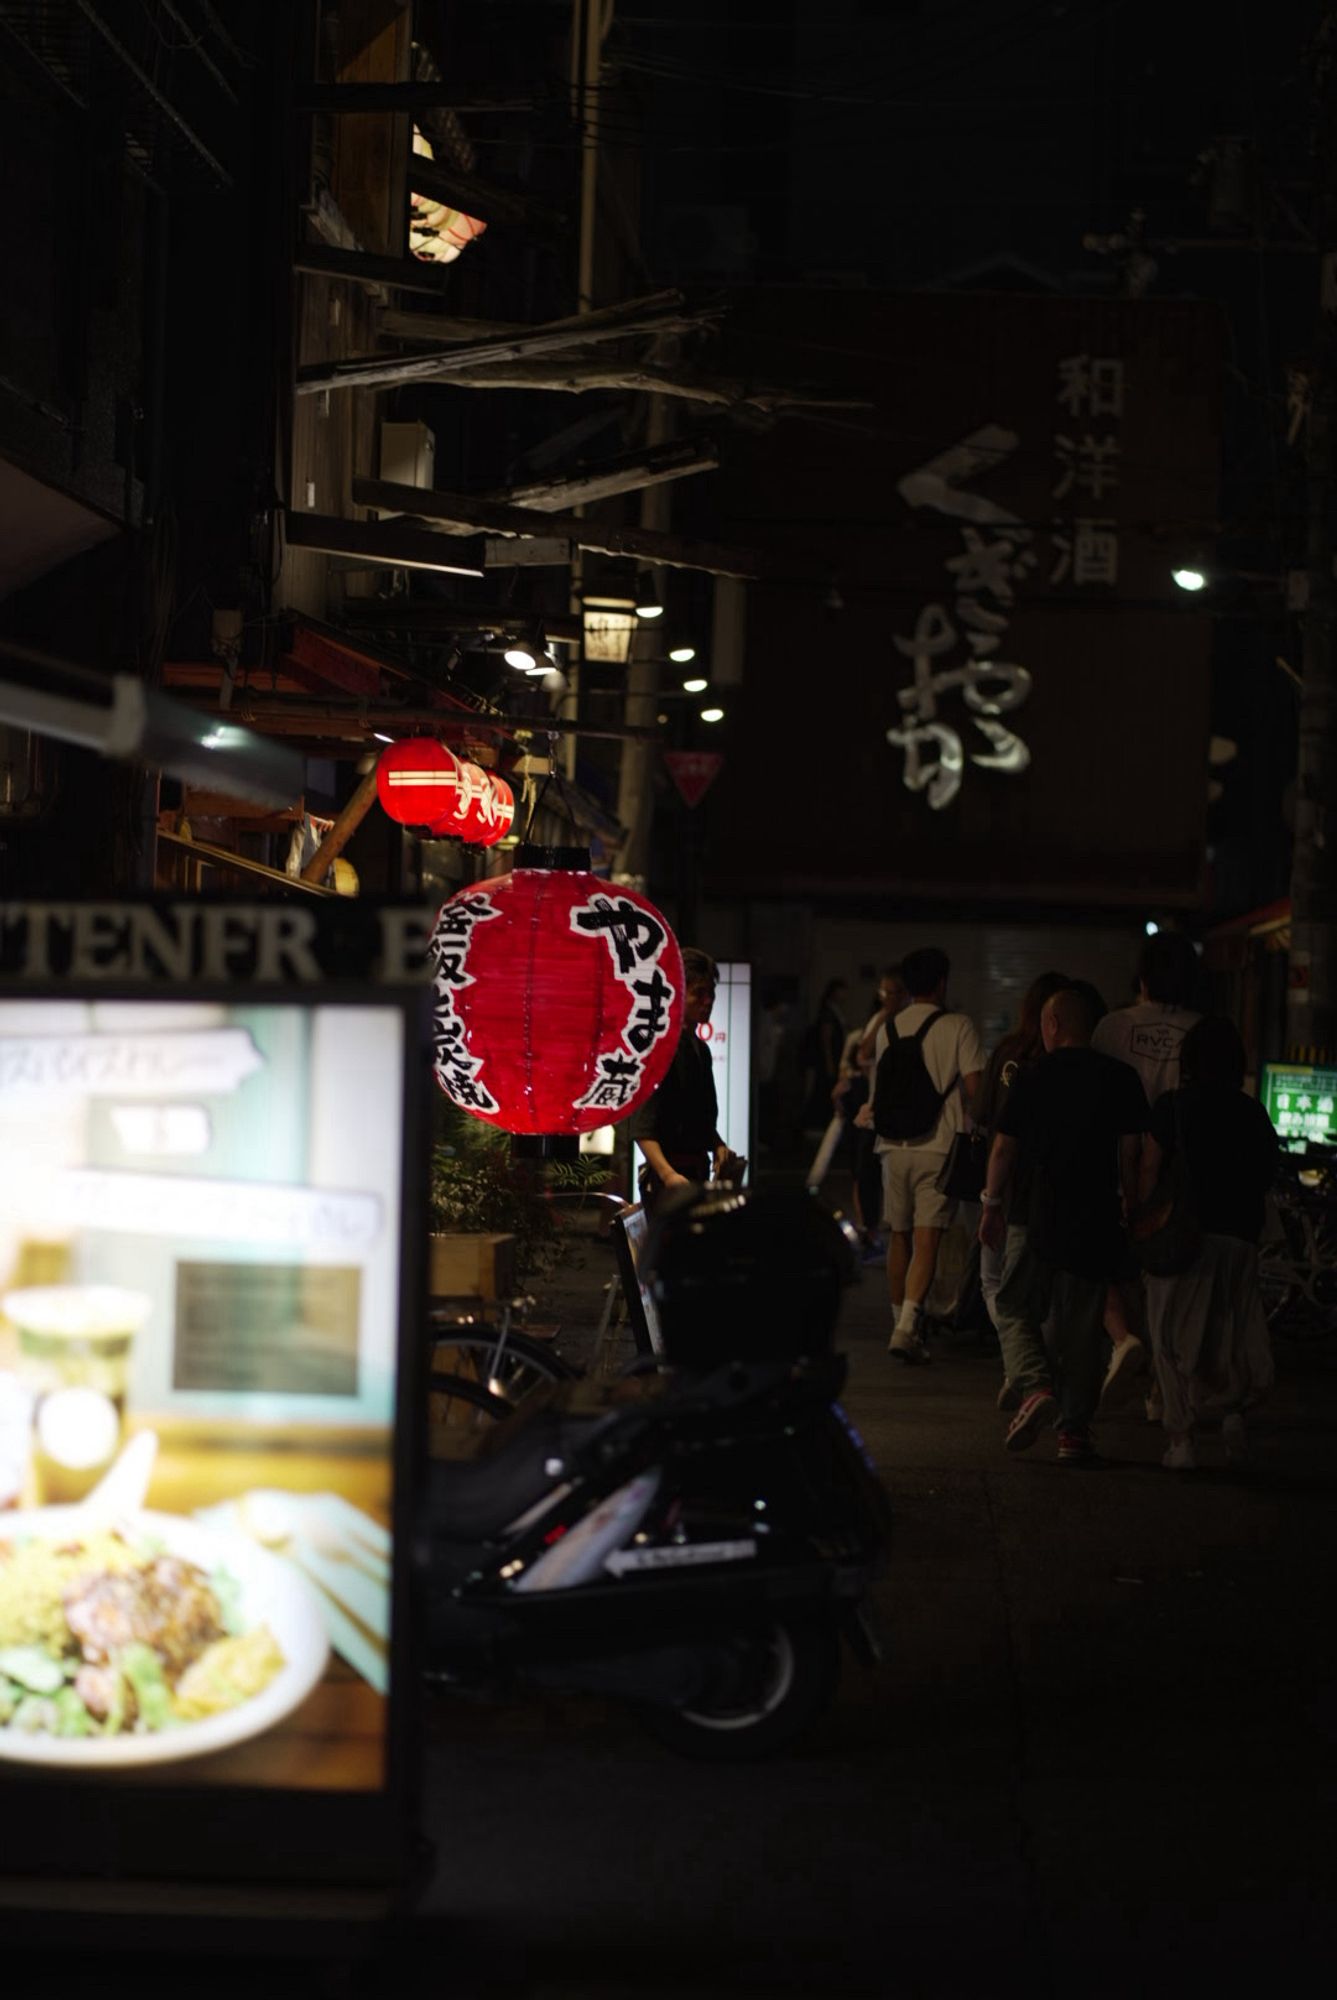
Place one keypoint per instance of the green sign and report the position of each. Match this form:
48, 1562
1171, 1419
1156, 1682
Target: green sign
1301, 1102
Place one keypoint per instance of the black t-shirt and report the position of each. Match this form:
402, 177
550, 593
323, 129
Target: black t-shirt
1005, 1065
1230, 1150
1068, 1114
683, 1113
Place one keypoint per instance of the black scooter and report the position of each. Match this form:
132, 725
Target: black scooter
695, 1541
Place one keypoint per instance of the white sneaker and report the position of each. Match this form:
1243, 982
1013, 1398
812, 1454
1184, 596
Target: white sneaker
908, 1348
1179, 1458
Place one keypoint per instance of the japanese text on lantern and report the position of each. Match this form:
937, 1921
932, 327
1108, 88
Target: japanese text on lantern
637, 941
1087, 452
457, 1069
960, 649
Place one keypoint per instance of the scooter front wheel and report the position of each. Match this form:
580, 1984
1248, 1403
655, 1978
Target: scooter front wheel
780, 1679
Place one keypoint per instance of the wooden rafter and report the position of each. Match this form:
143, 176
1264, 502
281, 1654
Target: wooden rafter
652, 316
465, 514
579, 378
440, 181
629, 472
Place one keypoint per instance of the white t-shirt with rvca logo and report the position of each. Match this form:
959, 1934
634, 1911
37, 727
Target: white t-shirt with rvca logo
1147, 1036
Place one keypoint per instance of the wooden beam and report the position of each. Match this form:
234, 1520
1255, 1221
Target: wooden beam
360, 267
222, 857
579, 378
397, 324
417, 615
463, 514
357, 720
366, 371
378, 541
439, 181
355, 97
630, 472
430, 326
346, 824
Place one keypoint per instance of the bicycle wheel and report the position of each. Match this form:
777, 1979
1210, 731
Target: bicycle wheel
457, 1410
511, 1366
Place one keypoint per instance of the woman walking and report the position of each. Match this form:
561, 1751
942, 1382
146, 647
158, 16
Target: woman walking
1209, 1337
1015, 1053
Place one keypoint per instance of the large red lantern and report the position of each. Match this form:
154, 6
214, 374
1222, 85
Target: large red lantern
558, 999
417, 780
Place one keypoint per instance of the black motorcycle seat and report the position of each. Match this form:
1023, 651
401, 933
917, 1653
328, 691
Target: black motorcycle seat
474, 1499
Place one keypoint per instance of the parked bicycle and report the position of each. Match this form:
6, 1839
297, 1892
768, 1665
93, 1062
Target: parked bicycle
1298, 1261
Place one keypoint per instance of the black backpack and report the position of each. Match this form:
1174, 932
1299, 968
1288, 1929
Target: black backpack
906, 1101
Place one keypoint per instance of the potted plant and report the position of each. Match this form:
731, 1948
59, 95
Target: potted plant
495, 1223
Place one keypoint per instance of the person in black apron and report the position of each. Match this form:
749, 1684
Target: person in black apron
677, 1128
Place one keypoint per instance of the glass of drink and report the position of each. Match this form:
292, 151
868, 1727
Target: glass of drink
75, 1338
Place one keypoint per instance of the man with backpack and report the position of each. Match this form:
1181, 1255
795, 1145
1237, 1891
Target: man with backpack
927, 1070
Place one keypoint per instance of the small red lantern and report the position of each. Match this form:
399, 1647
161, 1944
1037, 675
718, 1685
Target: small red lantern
491, 816
558, 999
455, 815
417, 780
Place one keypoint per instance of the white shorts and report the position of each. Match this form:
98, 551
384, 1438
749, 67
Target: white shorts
911, 1198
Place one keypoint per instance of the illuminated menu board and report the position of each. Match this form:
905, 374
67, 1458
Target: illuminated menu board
1301, 1102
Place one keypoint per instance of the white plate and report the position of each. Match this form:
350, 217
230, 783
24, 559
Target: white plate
272, 1593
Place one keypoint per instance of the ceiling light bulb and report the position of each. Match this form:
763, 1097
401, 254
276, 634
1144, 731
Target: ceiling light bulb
1189, 579
522, 655
712, 715
680, 655
695, 686
649, 596
381, 738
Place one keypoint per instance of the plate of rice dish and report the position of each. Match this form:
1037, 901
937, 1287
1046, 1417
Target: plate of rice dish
146, 1640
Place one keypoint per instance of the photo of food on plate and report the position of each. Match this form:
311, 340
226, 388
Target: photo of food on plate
199, 1322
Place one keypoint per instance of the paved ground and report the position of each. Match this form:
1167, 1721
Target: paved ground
1099, 1760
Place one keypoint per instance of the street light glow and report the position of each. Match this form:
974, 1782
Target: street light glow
1189, 579
712, 715
695, 686
680, 655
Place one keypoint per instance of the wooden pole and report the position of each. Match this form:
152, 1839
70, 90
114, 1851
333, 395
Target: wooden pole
345, 826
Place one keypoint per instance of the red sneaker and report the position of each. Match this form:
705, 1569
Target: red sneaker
1076, 1448
1036, 1411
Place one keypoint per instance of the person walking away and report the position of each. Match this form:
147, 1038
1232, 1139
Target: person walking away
928, 1066
1018, 1051
677, 1127
1078, 1117
823, 1040
866, 1166
1148, 1036
1209, 1337
849, 1092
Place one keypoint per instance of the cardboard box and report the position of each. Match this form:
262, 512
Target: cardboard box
472, 1266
